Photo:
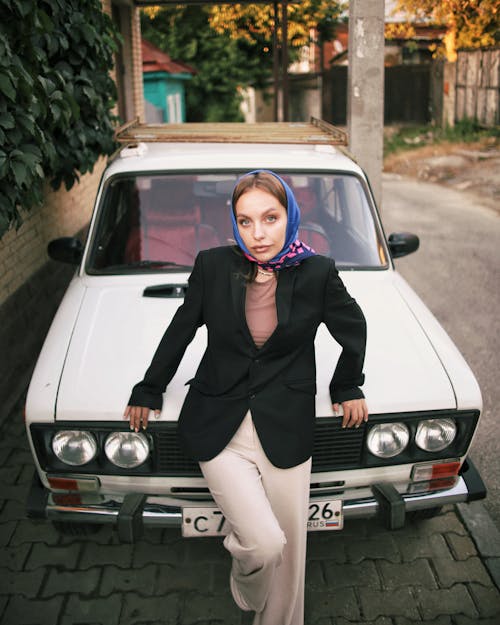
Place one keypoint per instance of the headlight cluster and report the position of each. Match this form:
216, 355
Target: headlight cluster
127, 450
386, 440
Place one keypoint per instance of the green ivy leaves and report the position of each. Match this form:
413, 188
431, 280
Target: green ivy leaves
56, 97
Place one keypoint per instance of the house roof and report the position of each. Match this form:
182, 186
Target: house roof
155, 60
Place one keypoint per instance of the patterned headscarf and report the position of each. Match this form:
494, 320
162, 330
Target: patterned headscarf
294, 251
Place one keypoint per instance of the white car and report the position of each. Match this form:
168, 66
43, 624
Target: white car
163, 198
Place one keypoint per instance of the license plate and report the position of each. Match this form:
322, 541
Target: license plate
324, 515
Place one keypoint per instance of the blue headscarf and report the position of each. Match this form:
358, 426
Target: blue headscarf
293, 251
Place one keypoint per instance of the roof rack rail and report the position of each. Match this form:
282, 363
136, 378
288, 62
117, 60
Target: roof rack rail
315, 132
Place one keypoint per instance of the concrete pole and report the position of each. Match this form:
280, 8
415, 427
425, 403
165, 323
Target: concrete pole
365, 88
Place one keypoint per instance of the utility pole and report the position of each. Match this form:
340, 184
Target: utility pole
365, 88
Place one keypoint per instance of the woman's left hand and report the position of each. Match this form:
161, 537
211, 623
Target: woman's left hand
355, 412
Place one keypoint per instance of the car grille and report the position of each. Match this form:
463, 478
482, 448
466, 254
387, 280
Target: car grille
334, 448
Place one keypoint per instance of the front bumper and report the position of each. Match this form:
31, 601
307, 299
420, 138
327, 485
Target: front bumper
137, 510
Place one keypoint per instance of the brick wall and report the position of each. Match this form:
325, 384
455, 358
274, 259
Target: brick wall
32, 285
63, 213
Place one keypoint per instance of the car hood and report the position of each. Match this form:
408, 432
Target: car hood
118, 329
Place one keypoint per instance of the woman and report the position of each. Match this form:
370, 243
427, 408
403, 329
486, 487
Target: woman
248, 417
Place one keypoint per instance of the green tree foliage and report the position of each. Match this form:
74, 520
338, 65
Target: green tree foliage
230, 46
471, 23
56, 97
222, 63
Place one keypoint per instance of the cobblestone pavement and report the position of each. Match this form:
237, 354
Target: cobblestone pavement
429, 572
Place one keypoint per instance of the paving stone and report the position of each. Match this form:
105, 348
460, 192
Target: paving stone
81, 582
103, 536
383, 620
93, 611
376, 603
156, 536
25, 583
142, 581
448, 522
462, 547
191, 575
455, 600
14, 492
13, 511
3, 605
418, 573
330, 603
430, 546
209, 606
93, 555
22, 611
331, 547
206, 550
440, 620
465, 620
485, 533
363, 574
315, 577
450, 572
493, 566
9, 474
34, 532
14, 558
384, 547
136, 609
6, 532
147, 553
5, 452
26, 474
487, 600
64, 557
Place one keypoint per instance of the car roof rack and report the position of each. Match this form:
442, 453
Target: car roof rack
315, 132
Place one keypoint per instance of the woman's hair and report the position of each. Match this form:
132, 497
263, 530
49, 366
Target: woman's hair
261, 180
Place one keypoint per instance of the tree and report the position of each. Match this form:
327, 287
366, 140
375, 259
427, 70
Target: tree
255, 22
230, 46
471, 23
222, 64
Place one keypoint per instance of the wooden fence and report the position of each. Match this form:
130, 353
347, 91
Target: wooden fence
477, 86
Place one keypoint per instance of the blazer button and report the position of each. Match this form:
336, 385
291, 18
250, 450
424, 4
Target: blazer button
252, 395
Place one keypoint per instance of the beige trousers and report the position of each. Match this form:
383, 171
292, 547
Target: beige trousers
267, 510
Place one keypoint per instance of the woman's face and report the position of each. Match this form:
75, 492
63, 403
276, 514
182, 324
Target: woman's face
261, 223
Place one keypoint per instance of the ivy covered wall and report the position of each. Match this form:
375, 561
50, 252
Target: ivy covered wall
56, 97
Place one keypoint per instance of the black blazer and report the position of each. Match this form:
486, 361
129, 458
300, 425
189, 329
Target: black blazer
276, 382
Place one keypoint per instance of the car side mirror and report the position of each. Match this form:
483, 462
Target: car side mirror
403, 243
66, 250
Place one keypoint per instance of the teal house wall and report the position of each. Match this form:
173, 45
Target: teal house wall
164, 85
158, 86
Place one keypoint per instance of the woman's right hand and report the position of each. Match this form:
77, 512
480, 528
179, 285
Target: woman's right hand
137, 415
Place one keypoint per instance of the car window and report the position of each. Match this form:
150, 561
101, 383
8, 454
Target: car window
149, 222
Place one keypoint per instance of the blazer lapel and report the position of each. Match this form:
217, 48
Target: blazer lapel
238, 294
284, 293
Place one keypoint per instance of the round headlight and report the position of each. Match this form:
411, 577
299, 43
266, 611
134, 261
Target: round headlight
435, 434
386, 440
126, 449
74, 447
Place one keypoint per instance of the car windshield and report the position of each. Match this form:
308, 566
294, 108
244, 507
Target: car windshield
158, 222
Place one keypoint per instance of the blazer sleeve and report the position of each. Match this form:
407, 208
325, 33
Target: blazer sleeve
346, 323
178, 335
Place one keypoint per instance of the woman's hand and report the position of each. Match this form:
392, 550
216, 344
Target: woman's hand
355, 412
138, 414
